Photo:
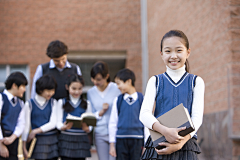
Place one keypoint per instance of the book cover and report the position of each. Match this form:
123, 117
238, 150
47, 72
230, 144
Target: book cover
175, 118
88, 118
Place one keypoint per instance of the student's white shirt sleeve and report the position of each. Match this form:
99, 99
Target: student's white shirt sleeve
27, 111
53, 119
89, 110
146, 115
20, 122
112, 126
59, 114
1, 104
79, 71
37, 75
198, 104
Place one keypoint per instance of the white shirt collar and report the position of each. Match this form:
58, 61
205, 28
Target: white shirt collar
40, 100
134, 96
52, 64
177, 74
9, 95
74, 100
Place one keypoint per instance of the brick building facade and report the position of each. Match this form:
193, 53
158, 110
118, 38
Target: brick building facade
113, 28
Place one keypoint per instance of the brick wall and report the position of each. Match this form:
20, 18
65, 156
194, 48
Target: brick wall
212, 28
27, 27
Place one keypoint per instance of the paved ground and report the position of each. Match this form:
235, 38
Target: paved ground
94, 155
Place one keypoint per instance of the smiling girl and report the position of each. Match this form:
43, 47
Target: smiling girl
73, 142
170, 89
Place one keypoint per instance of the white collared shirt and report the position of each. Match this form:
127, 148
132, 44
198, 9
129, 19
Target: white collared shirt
46, 127
21, 118
38, 74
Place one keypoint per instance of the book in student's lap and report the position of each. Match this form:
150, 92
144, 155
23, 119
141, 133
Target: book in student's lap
88, 118
175, 118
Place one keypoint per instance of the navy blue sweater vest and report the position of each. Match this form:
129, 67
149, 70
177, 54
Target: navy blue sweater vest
10, 113
171, 94
40, 115
129, 125
78, 111
60, 77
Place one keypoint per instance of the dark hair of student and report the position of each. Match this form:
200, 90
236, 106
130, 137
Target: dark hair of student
74, 78
100, 67
126, 74
16, 77
45, 82
56, 49
180, 34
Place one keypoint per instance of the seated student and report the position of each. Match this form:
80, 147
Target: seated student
12, 116
125, 128
41, 115
58, 67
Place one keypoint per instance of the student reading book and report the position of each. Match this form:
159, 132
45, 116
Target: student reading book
73, 141
173, 87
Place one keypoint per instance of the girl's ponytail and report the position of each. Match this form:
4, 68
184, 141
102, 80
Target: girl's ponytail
187, 66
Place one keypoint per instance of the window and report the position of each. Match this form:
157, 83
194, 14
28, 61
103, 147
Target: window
6, 70
86, 59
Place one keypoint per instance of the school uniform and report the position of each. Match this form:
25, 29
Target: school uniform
97, 98
41, 113
74, 142
125, 129
59, 74
12, 121
170, 89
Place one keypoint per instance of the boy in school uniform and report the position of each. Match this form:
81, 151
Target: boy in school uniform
12, 115
58, 67
126, 132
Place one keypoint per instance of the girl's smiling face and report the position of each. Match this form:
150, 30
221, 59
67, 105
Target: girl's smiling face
75, 89
174, 52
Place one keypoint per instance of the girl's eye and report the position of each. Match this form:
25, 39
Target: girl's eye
167, 51
179, 50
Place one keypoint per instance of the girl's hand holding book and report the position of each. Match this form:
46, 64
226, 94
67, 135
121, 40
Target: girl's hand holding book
33, 134
66, 126
25, 152
85, 127
171, 134
170, 148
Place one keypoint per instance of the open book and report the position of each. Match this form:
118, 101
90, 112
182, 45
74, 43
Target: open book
88, 118
175, 118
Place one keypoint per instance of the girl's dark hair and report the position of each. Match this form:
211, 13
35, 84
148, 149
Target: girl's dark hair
126, 74
16, 77
67, 106
180, 34
45, 82
100, 67
56, 49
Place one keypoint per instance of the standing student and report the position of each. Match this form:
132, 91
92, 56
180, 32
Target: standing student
73, 142
58, 67
41, 116
125, 129
101, 98
170, 89
12, 116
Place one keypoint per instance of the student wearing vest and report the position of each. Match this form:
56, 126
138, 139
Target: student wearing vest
12, 115
41, 117
58, 67
126, 132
